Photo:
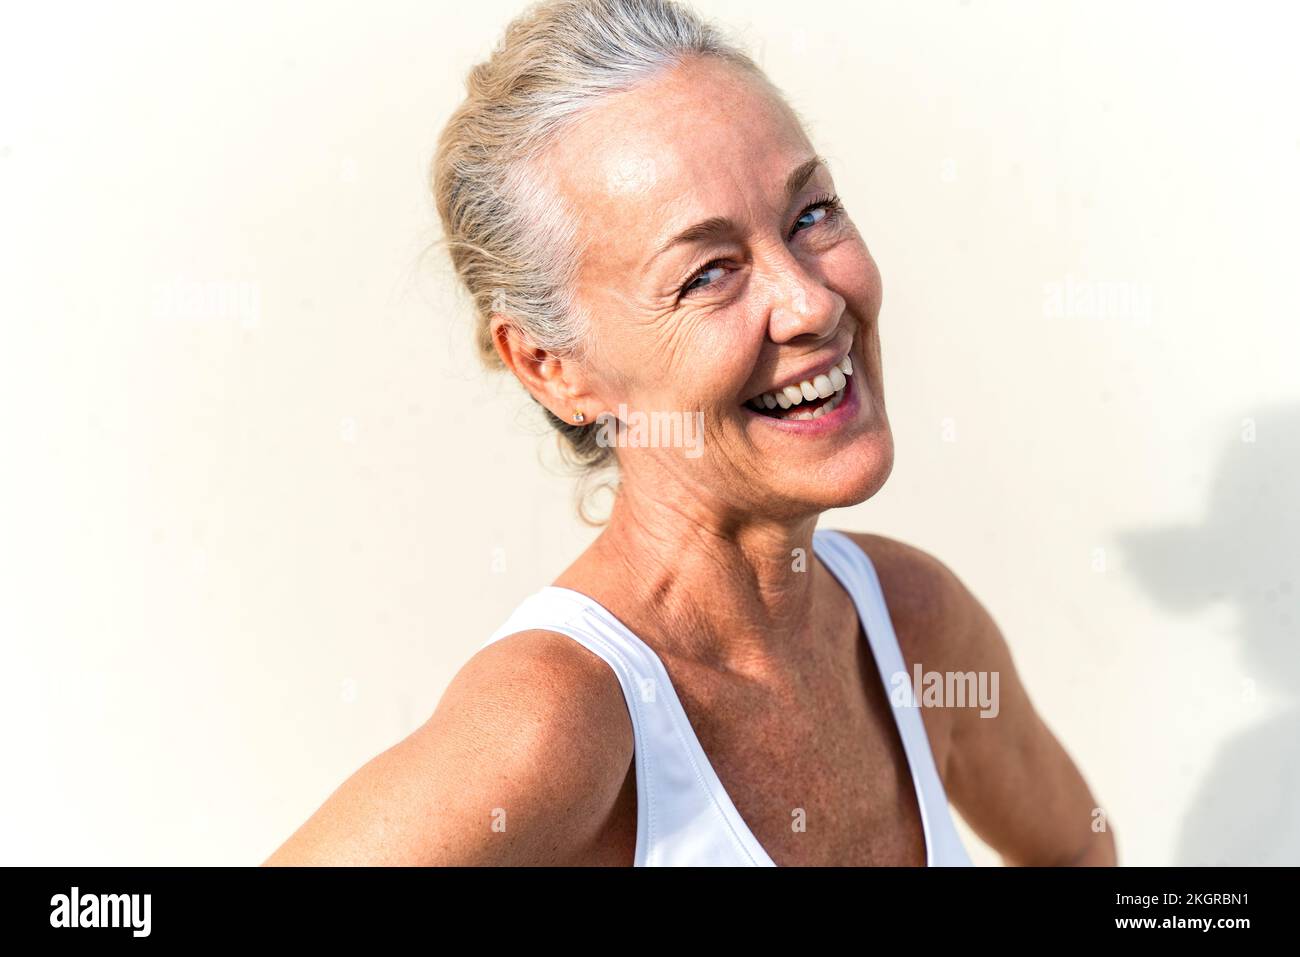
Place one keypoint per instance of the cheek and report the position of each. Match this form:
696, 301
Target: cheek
726, 352
852, 272
697, 359
687, 361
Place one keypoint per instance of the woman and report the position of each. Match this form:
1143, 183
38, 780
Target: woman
652, 242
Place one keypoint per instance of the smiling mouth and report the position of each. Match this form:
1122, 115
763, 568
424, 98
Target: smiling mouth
809, 399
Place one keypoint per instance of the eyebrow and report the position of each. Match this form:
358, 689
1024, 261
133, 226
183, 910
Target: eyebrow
716, 226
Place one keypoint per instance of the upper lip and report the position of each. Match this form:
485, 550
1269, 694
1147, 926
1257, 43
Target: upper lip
811, 370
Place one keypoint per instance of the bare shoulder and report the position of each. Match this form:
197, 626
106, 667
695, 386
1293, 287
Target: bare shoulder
520, 763
1010, 778
931, 608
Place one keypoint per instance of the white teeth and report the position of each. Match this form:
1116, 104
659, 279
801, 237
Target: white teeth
828, 385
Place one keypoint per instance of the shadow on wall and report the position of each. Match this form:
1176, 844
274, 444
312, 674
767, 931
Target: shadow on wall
1246, 551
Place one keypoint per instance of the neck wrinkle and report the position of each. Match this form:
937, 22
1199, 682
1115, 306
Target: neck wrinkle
724, 593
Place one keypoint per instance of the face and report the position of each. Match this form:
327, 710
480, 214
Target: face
723, 277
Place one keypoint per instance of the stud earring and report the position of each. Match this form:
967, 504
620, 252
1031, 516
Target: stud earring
579, 417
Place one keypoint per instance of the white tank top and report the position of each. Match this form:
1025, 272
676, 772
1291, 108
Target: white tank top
684, 815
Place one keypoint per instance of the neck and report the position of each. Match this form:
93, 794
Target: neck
736, 593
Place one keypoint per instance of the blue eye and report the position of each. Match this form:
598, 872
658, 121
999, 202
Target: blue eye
827, 207
823, 209
808, 215
708, 268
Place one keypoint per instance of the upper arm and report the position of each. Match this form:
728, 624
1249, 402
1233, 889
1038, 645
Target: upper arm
506, 770
1004, 770
1009, 776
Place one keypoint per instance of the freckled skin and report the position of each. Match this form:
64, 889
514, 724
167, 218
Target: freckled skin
699, 555
709, 351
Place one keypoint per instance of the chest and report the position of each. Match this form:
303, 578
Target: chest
814, 764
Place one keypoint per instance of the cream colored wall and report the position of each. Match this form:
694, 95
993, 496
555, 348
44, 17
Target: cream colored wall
258, 504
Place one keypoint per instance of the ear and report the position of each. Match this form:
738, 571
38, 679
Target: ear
553, 380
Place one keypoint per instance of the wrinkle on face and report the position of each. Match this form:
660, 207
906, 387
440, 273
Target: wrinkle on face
631, 169
704, 140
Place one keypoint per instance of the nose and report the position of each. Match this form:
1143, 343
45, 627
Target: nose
799, 303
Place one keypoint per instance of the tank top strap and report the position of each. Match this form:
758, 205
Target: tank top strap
684, 816
856, 572
573, 614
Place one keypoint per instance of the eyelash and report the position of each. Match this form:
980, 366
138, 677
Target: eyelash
828, 201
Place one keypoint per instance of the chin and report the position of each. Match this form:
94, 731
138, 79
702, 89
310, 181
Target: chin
848, 477
856, 473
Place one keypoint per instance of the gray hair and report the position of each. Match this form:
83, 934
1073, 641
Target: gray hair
510, 240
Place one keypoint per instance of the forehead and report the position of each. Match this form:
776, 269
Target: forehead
703, 139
